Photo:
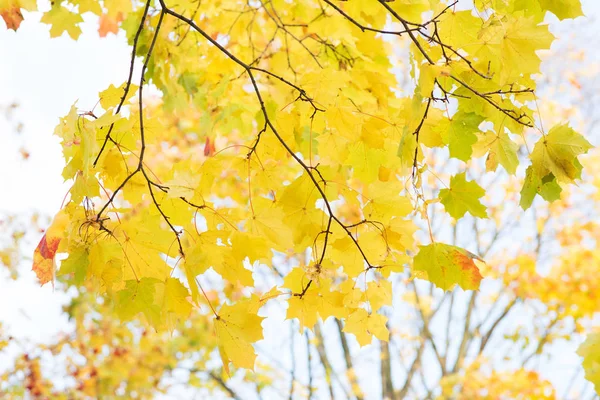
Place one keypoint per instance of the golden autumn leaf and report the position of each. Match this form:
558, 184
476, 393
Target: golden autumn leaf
364, 326
237, 327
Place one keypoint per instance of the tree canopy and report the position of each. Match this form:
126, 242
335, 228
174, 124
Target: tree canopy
264, 152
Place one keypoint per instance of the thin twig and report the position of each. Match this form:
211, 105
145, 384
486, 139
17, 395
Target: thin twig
129, 78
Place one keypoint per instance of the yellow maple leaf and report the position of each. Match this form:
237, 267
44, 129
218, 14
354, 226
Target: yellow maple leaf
236, 328
112, 96
386, 202
379, 294
365, 161
175, 298
364, 326
305, 308
522, 38
557, 153
267, 222
63, 20
344, 251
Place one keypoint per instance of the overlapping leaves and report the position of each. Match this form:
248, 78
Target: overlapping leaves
299, 151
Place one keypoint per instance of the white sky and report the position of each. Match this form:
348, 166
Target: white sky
45, 77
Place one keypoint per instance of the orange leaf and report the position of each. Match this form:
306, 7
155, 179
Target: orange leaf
12, 17
43, 256
109, 24
209, 147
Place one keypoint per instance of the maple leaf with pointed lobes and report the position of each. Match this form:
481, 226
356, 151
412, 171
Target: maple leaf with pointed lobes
448, 265
43, 256
304, 308
379, 294
521, 39
63, 20
386, 202
364, 326
237, 326
85, 6
502, 150
113, 95
557, 153
463, 196
176, 298
365, 161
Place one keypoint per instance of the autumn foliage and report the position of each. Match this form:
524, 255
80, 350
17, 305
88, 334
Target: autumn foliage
270, 154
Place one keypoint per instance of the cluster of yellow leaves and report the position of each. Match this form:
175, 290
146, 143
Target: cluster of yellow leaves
263, 143
514, 384
570, 288
343, 302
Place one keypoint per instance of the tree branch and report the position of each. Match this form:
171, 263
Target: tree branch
129, 78
224, 385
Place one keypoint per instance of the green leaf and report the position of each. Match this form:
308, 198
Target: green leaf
77, 263
463, 196
448, 265
550, 189
547, 187
138, 297
530, 188
461, 135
